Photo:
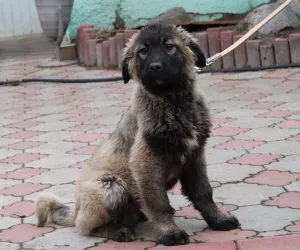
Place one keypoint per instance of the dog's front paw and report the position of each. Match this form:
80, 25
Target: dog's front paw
176, 238
124, 235
225, 224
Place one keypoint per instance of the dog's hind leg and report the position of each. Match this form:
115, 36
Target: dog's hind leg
100, 202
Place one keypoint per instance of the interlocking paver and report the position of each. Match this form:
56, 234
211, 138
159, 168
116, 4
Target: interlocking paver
230, 172
253, 154
265, 218
245, 194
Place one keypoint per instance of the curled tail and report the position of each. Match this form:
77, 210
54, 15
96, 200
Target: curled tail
49, 205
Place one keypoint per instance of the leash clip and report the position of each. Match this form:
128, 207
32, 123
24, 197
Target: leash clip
212, 59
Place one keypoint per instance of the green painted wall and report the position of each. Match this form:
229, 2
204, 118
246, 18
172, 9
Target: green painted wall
101, 13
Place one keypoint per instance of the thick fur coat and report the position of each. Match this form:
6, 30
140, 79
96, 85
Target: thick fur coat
159, 141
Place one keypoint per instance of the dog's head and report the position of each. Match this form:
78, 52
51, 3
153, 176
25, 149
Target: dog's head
161, 55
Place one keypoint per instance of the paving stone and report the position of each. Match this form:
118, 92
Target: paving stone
19, 209
57, 161
289, 163
7, 200
7, 222
240, 144
87, 150
24, 145
53, 126
295, 186
23, 158
24, 135
278, 147
55, 136
190, 226
273, 178
270, 218
216, 156
288, 242
135, 245
59, 147
191, 213
292, 106
240, 113
231, 172
23, 189
250, 122
289, 124
266, 134
295, 227
204, 246
23, 233
8, 183
244, 194
273, 233
23, 173
65, 192
216, 140
5, 154
178, 201
56, 176
10, 246
288, 199
256, 159
244, 76
4, 167
5, 141
65, 238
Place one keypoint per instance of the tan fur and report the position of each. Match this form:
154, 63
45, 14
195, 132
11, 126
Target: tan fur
129, 172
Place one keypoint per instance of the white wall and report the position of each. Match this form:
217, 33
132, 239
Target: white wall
18, 17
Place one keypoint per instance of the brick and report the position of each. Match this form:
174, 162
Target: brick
87, 34
282, 51
225, 236
23, 189
203, 42
245, 194
273, 178
23, 233
253, 53
120, 44
99, 55
240, 53
128, 34
230, 172
105, 47
113, 56
79, 39
226, 41
214, 45
92, 52
294, 43
267, 55
19, 209
256, 159
23, 173
287, 242
135, 245
270, 218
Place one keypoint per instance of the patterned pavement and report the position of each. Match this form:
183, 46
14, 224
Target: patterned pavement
48, 130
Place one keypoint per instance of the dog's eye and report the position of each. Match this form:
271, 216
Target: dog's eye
143, 51
169, 46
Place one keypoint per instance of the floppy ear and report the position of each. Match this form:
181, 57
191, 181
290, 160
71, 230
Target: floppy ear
199, 56
125, 70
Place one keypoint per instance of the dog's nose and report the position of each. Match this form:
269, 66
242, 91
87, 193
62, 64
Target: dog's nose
156, 66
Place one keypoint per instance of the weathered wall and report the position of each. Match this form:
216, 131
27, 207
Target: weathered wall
18, 17
101, 13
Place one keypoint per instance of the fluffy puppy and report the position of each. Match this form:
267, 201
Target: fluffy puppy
159, 141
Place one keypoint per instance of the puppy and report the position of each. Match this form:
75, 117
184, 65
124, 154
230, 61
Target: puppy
159, 141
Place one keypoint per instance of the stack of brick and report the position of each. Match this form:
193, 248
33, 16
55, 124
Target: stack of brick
93, 51
252, 53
